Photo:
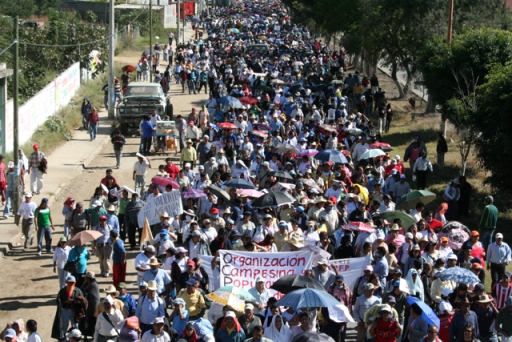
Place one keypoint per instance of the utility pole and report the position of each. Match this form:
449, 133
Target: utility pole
151, 40
16, 145
183, 31
450, 22
111, 50
178, 22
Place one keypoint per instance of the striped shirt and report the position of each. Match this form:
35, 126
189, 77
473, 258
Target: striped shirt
35, 158
501, 293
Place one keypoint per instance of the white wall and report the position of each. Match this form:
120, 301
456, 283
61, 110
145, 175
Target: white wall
41, 106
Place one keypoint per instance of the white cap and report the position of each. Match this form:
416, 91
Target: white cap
452, 257
158, 320
230, 314
386, 307
260, 279
75, 333
409, 235
249, 306
97, 204
380, 236
187, 165
446, 292
108, 299
499, 236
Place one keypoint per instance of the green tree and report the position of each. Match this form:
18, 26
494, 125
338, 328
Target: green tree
21, 8
493, 121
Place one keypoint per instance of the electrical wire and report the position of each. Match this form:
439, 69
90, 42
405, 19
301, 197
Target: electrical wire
7, 48
86, 43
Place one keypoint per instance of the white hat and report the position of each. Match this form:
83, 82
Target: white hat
230, 314
75, 333
260, 279
322, 262
452, 257
446, 292
499, 236
380, 236
187, 165
158, 320
397, 157
385, 307
97, 204
108, 299
28, 194
249, 306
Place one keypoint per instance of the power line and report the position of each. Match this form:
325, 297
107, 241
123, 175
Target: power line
7, 48
86, 43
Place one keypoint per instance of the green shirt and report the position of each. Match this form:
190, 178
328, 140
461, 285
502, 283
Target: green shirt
95, 215
489, 217
43, 217
122, 205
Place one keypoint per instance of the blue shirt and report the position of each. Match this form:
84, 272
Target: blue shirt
498, 254
147, 129
381, 268
148, 310
80, 255
113, 222
129, 303
118, 250
160, 276
178, 323
275, 125
203, 327
105, 231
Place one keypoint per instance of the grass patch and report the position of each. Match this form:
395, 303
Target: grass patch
142, 43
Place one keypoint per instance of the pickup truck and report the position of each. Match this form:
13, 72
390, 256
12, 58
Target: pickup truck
140, 99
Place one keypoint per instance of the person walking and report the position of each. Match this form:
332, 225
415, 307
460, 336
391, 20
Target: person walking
498, 257
93, 119
9, 188
87, 106
118, 259
147, 134
441, 149
420, 169
37, 161
44, 226
103, 246
488, 221
26, 212
118, 141
140, 170
60, 257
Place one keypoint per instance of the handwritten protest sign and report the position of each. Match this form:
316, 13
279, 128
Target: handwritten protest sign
241, 269
169, 202
351, 269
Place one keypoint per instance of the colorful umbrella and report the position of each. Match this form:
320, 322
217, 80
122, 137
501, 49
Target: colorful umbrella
410, 200
382, 145
234, 30
224, 298
333, 156
193, 193
250, 193
459, 275
372, 154
328, 128
429, 314
457, 234
263, 127
308, 298
227, 125
237, 292
248, 100
164, 181
308, 153
260, 134
360, 227
83, 237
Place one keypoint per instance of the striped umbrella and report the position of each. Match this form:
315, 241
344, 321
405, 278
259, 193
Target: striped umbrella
308, 298
193, 193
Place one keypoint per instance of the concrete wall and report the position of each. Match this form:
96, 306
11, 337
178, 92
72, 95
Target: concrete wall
41, 106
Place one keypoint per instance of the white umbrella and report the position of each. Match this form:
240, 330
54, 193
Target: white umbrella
372, 154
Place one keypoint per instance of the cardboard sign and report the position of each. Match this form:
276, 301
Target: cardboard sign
169, 202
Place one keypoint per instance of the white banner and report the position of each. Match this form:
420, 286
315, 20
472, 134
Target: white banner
241, 269
350, 269
169, 202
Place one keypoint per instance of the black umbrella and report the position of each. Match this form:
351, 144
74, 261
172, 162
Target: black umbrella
280, 174
296, 87
219, 192
291, 282
310, 336
273, 199
239, 183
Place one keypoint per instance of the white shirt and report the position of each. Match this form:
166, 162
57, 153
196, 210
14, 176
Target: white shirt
140, 261
26, 210
103, 327
193, 249
150, 337
210, 234
34, 337
261, 298
60, 256
141, 169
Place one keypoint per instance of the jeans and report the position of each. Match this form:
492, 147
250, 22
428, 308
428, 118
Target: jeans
67, 229
45, 231
27, 229
140, 184
119, 155
68, 316
93, 130
486, 235
192, 87
8, 199
62, 276
84, 121
368, 109
382, 124
105, 101
146, 143
36, 180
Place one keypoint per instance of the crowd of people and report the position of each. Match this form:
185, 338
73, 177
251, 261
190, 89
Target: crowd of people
283, 156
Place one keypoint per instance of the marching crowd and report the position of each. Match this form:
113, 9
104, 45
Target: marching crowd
283, 156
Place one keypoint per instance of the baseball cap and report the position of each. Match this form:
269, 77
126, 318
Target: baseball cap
340, 278
391, 299
10, 333
499, 236
191, 262
75, 333
402, 177
300, 209
368, 268
322, 262
191, 281
260, 279
385, 307
452, 257
369, 286
150, 249
158, 320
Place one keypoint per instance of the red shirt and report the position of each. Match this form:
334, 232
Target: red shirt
2, 173
435, 224
172, 170
385, 331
